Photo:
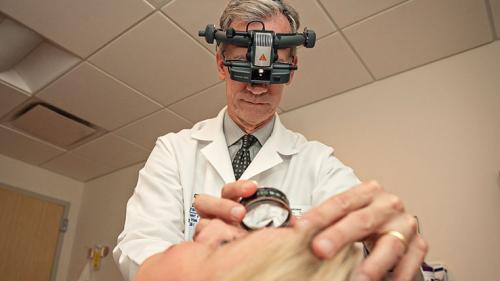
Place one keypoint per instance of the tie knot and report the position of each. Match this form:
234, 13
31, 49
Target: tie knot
247, 141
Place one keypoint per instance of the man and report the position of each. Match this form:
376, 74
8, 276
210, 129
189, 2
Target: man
208, 160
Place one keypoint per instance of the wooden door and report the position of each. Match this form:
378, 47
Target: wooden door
29, 234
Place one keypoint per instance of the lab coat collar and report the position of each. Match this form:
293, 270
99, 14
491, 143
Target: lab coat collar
281, 143
210, 129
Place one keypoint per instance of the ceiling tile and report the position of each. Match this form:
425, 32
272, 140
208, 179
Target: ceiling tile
22, 147
10, 98
203, 105
194, 15
495, 9
80, 26
313, 17
419, 32
330, 68
345, 12
159, 3
112, 151
96, 97
160, 60
145, 132
76, 167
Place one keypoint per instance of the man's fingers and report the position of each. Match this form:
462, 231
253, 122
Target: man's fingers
225, 208
358, 225
383, 214
293, 221
353, 227
368, 211
236, 190
394, 246
339, 206
200, 226
211, 207
390, 252
410, 263
387, 253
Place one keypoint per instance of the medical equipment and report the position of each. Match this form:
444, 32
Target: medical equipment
261, 65
267, 207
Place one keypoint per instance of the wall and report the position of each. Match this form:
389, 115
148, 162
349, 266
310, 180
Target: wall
432, 136
101, 220
23, 176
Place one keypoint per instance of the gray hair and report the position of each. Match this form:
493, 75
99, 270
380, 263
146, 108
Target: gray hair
259, 10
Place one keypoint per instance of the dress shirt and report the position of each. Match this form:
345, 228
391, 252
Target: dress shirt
233, 134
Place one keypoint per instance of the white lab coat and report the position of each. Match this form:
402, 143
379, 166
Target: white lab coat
197, 161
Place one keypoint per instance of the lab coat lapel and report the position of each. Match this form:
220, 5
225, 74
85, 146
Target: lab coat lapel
216, 152
280, 143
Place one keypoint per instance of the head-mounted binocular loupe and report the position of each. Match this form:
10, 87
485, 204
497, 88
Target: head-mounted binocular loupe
261, 65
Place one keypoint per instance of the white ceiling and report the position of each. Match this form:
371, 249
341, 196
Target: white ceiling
137, 69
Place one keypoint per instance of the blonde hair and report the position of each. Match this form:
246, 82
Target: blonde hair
259, 10
291, 259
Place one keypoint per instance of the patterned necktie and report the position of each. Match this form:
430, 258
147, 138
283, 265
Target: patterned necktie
242, 158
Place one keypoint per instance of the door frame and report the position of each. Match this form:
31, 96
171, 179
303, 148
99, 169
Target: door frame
60, 239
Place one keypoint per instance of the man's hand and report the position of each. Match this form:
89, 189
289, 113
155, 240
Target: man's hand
227, 207
368, 213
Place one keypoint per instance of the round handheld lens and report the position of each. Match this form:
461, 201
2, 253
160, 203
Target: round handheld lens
268, 207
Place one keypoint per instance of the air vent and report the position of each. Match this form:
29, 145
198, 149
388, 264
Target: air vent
53, 125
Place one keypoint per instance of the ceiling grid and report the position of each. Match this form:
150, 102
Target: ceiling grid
347, 41
493, 7
137, 69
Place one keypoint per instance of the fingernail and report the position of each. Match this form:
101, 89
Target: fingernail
326, 246
360, 277
256, 183
250, 185
237, 212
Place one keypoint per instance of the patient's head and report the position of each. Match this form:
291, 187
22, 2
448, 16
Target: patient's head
265, 255
277, 254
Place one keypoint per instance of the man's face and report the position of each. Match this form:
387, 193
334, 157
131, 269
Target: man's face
252, 105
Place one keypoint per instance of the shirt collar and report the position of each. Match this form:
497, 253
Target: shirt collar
233, 132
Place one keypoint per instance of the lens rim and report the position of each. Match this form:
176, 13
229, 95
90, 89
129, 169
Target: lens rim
266, 194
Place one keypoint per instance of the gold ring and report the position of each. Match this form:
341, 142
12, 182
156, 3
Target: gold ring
400, 236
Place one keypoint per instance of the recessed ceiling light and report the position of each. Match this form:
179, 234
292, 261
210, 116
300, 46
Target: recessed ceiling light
27, 60
17, 42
